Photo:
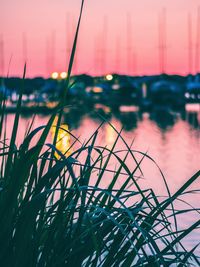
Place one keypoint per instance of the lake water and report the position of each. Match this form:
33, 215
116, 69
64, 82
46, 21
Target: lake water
171, 139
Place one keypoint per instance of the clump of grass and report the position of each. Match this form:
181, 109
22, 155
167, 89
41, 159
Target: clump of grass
55, 211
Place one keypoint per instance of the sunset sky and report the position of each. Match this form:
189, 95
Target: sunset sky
115, 36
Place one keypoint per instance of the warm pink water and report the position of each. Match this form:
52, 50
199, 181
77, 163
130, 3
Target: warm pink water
174, 143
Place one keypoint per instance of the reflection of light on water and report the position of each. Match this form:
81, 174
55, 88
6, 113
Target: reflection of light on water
192, 107
128, 108
110, 136
63, 139
106, 109
174, 149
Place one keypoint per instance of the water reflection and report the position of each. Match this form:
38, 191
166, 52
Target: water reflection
110, 135
63, 139
171, 139
128, 120
164, 119
73, 116
192, 115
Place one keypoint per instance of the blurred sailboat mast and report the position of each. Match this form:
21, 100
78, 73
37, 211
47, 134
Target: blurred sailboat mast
134, 63
50, 53
2, 63
190, 50
129, 44
117, 55
162, 41
103, 52
197, 41
100, 49
96, 66
53, 50
48, 69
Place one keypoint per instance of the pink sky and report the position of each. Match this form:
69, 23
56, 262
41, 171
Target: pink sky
36, 22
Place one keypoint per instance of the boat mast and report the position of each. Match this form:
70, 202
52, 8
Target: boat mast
103, 50
190, 59
197, 42
48, 69
50, 53
2, 56
117, 55
162, 40
53, 49
95, 55
134, 63
100, 48
129, 43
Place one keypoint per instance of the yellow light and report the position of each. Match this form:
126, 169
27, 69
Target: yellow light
63, 139
51, 105
109, 77
103, 107
107, 110
110, 136
63, 75
97, 89
54, 75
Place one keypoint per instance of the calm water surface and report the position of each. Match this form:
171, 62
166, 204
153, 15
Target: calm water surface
172, 140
